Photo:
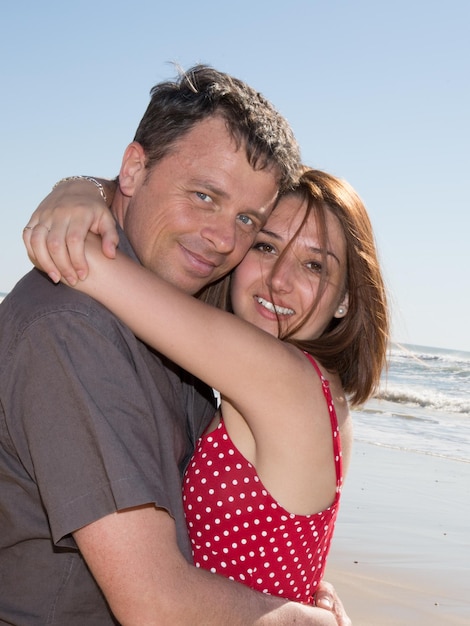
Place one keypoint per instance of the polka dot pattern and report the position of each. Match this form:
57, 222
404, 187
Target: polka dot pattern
238, 530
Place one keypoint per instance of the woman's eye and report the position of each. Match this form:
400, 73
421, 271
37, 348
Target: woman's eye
314, 266
267, 248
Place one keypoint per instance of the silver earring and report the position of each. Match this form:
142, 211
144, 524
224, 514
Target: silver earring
341, 310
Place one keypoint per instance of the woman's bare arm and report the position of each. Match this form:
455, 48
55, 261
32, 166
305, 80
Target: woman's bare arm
267, 381
242, 361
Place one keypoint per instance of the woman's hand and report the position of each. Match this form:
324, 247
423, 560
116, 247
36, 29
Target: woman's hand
56, 231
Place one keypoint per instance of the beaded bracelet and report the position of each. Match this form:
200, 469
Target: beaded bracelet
89, 179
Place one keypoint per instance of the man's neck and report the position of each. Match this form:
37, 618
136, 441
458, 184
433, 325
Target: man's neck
119, 206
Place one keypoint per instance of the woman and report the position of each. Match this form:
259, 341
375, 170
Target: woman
310, 329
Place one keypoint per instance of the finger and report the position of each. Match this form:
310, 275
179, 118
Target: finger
73, 259
35, 240
327, 598
71, 229
51, 250
109, 235
26, 235
65, 243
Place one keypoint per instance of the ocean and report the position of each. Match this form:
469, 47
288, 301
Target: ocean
423, 404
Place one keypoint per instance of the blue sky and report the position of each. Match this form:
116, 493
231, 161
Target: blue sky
376, 92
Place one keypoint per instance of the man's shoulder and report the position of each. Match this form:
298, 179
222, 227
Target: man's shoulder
37, 308
36, 296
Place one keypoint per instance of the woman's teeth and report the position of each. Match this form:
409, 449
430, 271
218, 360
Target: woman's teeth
279, 310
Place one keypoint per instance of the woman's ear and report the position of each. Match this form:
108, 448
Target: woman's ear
342, 309
132, 168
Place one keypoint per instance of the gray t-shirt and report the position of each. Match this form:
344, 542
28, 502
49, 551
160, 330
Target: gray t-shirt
91, 421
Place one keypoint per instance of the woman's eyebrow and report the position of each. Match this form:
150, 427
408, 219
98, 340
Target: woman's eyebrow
270, 233
328, 252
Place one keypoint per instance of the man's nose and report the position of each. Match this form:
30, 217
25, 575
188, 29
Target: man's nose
221, 232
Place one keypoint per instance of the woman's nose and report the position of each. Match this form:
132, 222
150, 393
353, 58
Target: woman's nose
282, 277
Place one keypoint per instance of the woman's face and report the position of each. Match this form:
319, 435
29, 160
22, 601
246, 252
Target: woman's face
278, 297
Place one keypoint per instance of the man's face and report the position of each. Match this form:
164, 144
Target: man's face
195, 214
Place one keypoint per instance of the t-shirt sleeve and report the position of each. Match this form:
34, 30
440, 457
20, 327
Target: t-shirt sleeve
200, 406
84, 424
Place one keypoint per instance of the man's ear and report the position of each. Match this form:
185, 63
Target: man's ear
133, 169
342, 308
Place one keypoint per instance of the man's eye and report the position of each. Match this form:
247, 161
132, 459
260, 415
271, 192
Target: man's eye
203, 196
245, 219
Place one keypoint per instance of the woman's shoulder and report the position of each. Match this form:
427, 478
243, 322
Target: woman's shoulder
338, 394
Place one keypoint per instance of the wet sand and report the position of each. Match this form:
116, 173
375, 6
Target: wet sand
401, 551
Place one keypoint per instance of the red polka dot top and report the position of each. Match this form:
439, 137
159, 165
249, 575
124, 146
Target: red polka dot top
237, 528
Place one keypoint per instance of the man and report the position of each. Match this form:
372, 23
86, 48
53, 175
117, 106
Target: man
95, 428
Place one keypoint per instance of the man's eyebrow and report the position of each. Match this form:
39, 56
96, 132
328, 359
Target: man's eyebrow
207, 184
214, 189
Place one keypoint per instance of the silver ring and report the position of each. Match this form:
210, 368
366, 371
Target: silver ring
35, 226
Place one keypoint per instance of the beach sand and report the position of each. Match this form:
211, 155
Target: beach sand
401, 550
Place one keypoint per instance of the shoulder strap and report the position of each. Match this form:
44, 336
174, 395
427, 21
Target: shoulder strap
333, 419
